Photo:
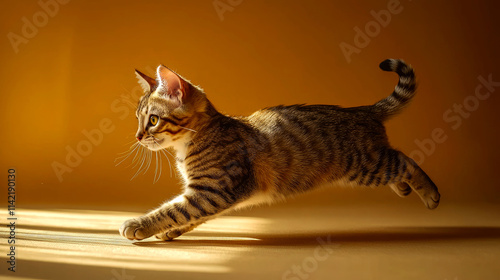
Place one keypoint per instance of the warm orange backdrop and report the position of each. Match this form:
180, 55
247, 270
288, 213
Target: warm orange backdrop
70, 74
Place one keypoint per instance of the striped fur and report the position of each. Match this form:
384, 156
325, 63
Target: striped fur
403, 92
231, 162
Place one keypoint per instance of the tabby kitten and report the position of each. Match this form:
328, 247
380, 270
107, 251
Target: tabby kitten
230, 162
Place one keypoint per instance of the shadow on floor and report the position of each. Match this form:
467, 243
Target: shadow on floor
379, 235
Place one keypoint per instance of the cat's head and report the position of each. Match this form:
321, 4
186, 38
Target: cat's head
169, 111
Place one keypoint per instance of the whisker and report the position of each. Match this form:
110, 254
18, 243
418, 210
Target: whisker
162, 150
126, 156
156, 168
149, 160
143, 158
161, 168
129, 142
188, 129
127, 151
169, 164
139, 158
165, 150
136, 153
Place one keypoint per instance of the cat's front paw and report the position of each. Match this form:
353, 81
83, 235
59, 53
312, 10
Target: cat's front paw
169, 235
133, 230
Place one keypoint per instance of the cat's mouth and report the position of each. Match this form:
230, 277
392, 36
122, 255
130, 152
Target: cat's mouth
152, 143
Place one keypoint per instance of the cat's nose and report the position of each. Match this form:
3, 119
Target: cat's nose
139, 135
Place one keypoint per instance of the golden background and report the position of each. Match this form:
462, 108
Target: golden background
77, 71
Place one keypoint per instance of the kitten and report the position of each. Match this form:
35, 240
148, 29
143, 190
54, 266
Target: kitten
230, 162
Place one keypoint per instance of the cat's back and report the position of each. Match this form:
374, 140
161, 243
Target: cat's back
316, 121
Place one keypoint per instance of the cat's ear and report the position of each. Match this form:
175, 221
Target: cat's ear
148, 84
173, 87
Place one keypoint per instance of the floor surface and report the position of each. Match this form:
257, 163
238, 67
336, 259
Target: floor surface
278, 242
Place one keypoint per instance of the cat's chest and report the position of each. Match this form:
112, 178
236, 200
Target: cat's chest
180, 148
181, 166
180, 154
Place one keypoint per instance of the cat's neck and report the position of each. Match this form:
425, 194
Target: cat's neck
181, 147
201, 120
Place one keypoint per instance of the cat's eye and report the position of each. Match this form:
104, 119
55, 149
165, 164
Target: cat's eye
153, 120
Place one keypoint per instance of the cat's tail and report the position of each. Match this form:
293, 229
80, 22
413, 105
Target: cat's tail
403, 92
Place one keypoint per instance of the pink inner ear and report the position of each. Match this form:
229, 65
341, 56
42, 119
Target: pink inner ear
170, 83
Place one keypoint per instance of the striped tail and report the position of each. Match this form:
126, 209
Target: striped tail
403, 92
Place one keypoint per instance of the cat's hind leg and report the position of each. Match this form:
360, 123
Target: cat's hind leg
419, 182
402, 189
391, 167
